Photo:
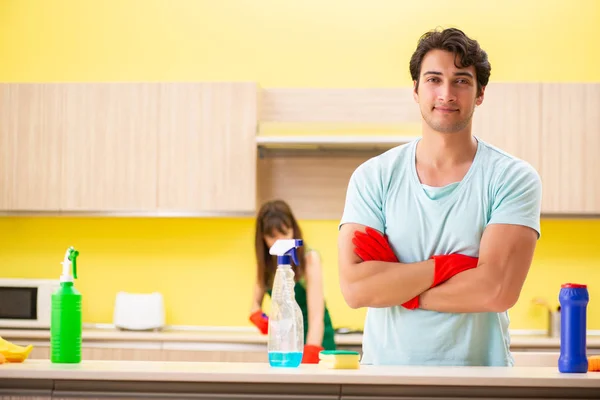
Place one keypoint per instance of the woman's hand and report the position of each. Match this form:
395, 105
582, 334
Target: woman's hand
315, 298
257, 317
261, 321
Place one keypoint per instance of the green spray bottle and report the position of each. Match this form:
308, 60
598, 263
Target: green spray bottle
65, 325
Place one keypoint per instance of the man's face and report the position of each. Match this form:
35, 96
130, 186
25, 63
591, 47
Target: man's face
447, 95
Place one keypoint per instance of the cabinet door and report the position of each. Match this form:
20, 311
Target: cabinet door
509, 118
31, 116
109, 147
570, 146
122, 353
207, 149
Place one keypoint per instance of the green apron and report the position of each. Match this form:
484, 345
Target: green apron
328, 332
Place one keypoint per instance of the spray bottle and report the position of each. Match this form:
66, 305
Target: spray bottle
65, 325
286, 325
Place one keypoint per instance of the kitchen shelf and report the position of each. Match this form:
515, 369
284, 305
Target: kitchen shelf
334, 145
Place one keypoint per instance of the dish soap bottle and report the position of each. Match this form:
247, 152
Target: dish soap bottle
286, 325
65, 325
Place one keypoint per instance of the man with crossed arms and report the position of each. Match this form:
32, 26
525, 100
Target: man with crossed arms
437, 236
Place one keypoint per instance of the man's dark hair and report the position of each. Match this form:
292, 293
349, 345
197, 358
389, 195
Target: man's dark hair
467, 51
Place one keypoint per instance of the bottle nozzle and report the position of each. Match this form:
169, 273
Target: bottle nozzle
73, 258
69, 260
285, 249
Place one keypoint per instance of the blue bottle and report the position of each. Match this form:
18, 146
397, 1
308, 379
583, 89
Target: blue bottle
573, 300
286, 324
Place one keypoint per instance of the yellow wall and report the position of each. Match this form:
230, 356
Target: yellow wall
205, 267
332, 43
287, 43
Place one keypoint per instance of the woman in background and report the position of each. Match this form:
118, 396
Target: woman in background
275, 221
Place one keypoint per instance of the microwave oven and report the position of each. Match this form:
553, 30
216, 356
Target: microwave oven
26, 303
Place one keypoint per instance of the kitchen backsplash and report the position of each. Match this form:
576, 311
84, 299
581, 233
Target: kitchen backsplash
205, 267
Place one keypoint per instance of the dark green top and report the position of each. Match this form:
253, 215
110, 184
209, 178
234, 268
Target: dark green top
301, 298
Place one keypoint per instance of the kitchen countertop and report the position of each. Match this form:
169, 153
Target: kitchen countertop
263, 373
244, 337
177, 378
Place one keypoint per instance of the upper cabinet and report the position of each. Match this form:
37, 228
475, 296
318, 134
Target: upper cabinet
109, 152
207, 149
78, 147
509, 119
31, 145
219, 148
570, 143
128, 147
554, 127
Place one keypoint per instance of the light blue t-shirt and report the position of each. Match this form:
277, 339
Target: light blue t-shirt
386, 194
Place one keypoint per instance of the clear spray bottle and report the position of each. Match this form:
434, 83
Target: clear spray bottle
286, 324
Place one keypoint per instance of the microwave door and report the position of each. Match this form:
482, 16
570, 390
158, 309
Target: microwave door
18, 303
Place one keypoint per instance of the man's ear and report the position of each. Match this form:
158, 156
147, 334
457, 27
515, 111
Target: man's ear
415, 93
479, 98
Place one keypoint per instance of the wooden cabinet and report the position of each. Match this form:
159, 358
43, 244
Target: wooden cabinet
158, 352
214, 356
31, 139
509, 118
207, 150
78, 147
128, 147
190, 148
570, 145
109, 147
554, 127
121, 353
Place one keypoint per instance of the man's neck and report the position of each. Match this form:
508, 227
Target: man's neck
446, 150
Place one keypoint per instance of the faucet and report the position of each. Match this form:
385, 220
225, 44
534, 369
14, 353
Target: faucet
553, 320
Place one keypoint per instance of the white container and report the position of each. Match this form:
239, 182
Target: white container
139, 311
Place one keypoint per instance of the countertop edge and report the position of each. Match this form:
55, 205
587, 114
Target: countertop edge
262, 373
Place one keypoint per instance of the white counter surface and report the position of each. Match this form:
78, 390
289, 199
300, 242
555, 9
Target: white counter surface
244, 337
313, 374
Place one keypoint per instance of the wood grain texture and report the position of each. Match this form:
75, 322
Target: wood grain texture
207, 151
509, 118
32, 118
315, 187
344, 105
570, 147
109, 147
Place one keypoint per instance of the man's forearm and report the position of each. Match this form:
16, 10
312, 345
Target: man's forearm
468, 292
383, 284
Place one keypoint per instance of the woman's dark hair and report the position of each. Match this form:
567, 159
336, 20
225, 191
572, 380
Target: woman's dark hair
275, 216
467, 52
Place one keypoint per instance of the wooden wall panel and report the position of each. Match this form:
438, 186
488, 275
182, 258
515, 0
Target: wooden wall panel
314, 187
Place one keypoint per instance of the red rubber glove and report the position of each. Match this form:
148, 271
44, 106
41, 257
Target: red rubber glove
448, 266
311, 354
372, 246
261, 321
